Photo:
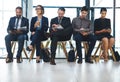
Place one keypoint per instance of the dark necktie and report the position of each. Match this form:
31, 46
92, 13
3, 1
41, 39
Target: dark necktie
59, 20
17, 23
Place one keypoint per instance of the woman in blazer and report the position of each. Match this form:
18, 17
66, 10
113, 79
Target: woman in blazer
38, 28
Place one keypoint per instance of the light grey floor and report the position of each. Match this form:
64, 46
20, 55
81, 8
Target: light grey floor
62, 72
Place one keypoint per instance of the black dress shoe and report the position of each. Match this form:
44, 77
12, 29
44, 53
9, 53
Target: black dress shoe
8, 60
89, 61
47, 35
52, 62
79, 61
37, 61
19, 60
28, 49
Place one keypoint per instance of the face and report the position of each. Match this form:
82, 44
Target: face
60, 13
18, 12
84, 14
38, 10
103, 14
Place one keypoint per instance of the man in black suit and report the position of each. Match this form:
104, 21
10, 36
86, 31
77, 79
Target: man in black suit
61, 30
18, 28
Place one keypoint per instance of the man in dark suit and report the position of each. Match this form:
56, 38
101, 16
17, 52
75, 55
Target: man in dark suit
61, 30
18, 28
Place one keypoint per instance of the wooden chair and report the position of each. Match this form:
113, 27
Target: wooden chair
85, 46
13, 45
42, 46
100, 52
62, 44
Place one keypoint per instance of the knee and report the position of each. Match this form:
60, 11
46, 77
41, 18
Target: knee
112, 40
7, 37
21, 38
105, 40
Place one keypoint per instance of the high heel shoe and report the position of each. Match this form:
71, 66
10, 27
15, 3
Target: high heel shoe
106, 58
102, 55
37, 61
29, 48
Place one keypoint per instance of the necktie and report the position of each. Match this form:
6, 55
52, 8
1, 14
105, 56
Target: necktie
59, 20
17, 23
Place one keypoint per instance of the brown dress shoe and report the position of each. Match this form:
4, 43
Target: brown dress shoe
8, 60
52, 62
19, 60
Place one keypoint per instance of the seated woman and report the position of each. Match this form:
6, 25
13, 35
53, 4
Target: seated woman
38, 28
102, 28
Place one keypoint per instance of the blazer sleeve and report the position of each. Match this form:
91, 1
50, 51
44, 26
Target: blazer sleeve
67, 23
32, 29
68, 26
46, 25
9, 25
51, 22
27, 25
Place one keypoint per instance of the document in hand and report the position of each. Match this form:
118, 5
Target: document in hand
23, 28
84, 30
60, 27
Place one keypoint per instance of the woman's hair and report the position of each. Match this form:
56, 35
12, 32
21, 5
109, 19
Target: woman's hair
84, 8
103, 9
42, 8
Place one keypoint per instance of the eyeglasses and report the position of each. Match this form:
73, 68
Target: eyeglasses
38, 9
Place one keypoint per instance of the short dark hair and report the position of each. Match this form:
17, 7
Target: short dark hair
19, 8
42, 8
62, 9
84, 8
103, 9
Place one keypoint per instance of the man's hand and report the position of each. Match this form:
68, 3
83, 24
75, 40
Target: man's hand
18, 31
84, 33
12, 32
54, 27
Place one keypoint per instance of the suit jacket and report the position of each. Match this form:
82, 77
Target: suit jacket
44, 27
24, 22
66, 24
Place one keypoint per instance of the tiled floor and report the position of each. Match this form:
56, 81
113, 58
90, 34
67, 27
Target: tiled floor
62, 72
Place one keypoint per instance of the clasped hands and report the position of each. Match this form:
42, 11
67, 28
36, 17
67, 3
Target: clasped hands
106, 31
18, 31
37, 24
84, 33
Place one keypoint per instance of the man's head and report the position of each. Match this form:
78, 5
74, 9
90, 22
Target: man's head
103, 12
61, 12
39, 9
84, 12
18, 11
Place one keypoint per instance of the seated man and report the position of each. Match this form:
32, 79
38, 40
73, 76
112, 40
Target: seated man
17, 31
82, 31
60, 30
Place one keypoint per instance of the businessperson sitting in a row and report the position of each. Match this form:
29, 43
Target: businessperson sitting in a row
102, 28
38, 28
60, 30
18, 28
82, 31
